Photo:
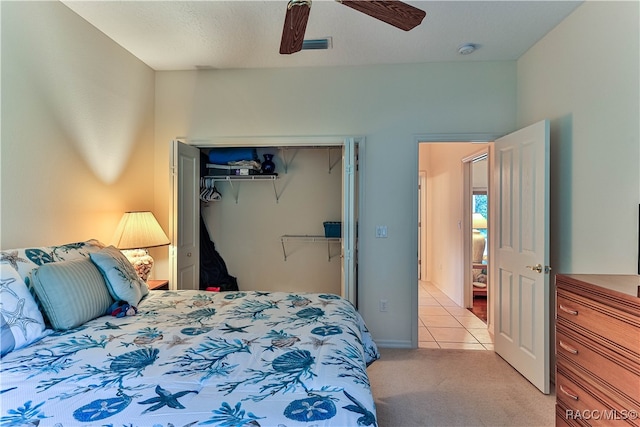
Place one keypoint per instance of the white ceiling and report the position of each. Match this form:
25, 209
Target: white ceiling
185, 35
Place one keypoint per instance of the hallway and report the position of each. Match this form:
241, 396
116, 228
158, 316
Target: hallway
444, 324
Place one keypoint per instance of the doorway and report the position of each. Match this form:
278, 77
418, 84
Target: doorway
519, 244
478, 192
445, 200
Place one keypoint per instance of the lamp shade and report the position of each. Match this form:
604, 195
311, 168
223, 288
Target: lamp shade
478, 221
138, 230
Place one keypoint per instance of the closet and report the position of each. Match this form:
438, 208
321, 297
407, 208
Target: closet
270, 229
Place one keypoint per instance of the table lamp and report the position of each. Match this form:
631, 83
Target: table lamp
137, 232
479, 242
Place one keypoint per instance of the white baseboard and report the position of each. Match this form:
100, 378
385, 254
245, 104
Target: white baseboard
393, 344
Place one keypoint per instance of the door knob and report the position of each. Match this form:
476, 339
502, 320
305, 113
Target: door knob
189, 254
536, 267
539, 268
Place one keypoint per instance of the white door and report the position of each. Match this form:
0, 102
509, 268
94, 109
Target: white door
521, 228
349, 220
184, 260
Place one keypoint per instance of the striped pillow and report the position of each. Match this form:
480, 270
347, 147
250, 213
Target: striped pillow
71, 292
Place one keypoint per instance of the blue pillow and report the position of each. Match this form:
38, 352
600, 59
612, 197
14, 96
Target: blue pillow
71, 292
122, 280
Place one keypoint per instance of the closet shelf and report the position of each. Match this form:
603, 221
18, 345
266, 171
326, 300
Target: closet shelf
240, 178
332, 162
306, 238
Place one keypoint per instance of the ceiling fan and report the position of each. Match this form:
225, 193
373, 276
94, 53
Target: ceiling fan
393, 12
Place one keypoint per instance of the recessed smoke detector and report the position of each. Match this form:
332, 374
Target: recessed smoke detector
467, 48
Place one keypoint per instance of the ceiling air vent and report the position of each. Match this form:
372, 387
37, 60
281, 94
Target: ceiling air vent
316, 44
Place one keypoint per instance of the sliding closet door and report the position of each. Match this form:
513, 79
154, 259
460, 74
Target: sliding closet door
349, 220
184, 223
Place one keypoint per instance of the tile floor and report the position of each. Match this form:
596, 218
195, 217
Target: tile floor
444, 324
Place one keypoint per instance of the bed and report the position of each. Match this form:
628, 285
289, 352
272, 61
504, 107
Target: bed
246, 358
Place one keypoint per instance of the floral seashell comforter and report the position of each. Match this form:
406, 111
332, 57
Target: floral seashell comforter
193, 358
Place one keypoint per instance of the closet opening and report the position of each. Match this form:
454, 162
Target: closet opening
289, 227
270, 227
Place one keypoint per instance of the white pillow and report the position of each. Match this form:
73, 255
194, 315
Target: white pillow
21, 321
122, 280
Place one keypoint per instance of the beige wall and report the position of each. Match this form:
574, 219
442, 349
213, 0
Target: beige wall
584, 77
77, 128
388, 105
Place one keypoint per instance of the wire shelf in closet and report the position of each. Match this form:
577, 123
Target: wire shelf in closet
305, 238
210, 180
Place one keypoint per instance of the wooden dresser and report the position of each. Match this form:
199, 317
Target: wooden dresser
597, 350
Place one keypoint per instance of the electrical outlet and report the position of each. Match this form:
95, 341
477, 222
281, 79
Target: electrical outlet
384, 304
381, 231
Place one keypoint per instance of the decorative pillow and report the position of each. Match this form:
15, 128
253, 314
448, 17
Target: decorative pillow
122, 280
71, 292
26, 259
21, 322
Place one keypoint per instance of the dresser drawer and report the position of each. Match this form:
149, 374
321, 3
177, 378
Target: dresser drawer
597, 350
584, 405
563, 421
614, 328
609, 368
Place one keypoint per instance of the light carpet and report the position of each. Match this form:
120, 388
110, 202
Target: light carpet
438, 387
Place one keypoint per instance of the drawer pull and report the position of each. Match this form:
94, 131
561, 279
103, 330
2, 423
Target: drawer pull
568, 310
568, 393
568, 348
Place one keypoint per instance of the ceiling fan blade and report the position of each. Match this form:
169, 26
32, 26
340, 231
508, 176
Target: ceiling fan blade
394, 12
295, 24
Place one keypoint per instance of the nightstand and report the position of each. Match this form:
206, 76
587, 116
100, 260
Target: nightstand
478, 291
158, 284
